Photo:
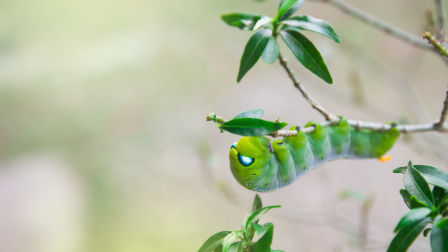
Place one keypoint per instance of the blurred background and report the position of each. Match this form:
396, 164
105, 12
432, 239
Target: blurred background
104, 145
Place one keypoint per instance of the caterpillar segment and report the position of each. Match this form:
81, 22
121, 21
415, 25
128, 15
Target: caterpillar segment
262, 166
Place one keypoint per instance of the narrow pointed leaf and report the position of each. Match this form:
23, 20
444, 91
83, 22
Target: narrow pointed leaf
287, 4
291, 10
306, 53
416, 185
244, 21
251, 126
214, 241
439, 237
257, 204
310, 23
411, 217
253, 51
406, 197
264, 243
407, 235
258, 214
415, 203
254, 113
262, 21
431, 174
272, 51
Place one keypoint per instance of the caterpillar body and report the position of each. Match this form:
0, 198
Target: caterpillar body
262, 166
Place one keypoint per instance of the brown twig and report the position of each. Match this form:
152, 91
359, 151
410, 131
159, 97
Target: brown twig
439, 125
298, 85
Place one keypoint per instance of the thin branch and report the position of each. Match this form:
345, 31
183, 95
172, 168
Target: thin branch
298, 85
444, 112
442, 14
433, 41
387, 27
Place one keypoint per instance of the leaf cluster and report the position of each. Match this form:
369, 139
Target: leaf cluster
243, 240
264, 42
426, 207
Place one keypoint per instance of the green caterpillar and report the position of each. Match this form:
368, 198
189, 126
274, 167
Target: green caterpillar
261, 166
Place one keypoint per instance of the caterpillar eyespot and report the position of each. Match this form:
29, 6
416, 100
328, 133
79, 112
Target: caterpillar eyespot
277, 167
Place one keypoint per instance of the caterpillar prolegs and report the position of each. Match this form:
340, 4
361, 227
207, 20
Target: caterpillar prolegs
262, 166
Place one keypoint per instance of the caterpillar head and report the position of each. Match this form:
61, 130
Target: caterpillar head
249, 160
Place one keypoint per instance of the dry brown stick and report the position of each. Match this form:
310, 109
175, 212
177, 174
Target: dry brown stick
298, 85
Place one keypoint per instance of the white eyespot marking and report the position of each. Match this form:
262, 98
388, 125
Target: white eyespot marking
246, 161
233, 145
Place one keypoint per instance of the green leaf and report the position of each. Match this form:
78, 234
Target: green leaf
411, 217
257, 215
442, 224
272, 51
253, 51
352, 194
439, 237
229, 239
306, 53
439, 193
309, 23
426, 232
244, 21
263, 21
214, 241
291, 10
261, 229
406, 196
255, 113
277, 251
417, 185
257, 203
237, 247
264, 243
218, 249
432, 175
284, 8
415, 203
407, 235
443, 203
251, 126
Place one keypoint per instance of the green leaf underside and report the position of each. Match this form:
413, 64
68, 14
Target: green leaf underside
439, 237
262, 21
261, 229
272, 51
253, 51
407, 235
284, 8
251, 126
229, 239
237, 247
443, 224
291, 10
413, 216
214, 241
310, 23
432, 175
254, 113
306, 53
406, 196
244, 21
264, 243
416, 185
258, 214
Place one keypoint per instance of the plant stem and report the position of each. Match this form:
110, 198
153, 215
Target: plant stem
442, 120
298, 85
432, 40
